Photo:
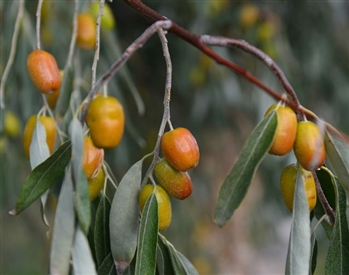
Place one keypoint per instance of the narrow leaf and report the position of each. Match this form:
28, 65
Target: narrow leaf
124, 218
235, 186
43, 176
82, 257
147, 239
81, 196
338, 252
101, 232
63, 230
299, 250
65, 91
107, 266
164, 264
187, 265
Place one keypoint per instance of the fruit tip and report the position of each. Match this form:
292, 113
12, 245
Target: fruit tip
13, 212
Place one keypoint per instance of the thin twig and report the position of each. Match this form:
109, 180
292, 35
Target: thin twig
98, 30
73, 37
324, 202
138, 43
38, 22
12, 53
167, 99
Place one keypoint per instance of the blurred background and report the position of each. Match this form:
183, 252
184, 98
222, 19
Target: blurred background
307, 39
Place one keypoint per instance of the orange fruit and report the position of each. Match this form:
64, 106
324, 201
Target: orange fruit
50, 129
180, 149
309, 146
164, 204
86, 31
106, 120
288, 182
43, 71
52, 98
286, 130
177, 184
92, 158
96, 184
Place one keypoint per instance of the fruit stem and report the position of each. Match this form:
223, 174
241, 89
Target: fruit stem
324, 202
38, 21
98, 34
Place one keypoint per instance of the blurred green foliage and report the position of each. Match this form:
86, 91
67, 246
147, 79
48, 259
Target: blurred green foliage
306, 39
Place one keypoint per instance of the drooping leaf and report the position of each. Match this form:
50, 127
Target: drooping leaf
147, 239
338, 252
39, 152
187, 265
63, 230
299, 249
65, 91
175, 265
43, 176
235, 186
124, 214
81, 196
314, 251
101, 232
81, 255
164, 264
107, 266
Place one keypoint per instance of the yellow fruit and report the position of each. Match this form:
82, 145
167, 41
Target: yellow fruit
286, 130
309, 146
177, 184
288, 182
164, 204
52, 98
108, 21
92, 158
12, 125
50, 128
86, 33
96, 184
249, 15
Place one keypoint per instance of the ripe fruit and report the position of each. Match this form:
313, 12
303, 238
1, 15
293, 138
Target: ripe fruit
249, 15
92, 158
106, 120
180, 149
96, 184
288, 182
52, 98
50, 129
164, 204
108, 21
12, 125
86, 32
286, 130
177, 184
43, 71
309, 146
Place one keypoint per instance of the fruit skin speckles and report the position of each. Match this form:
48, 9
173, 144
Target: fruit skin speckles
309, 147
180, 149
43, 71
164, 204
177, 184
286, 130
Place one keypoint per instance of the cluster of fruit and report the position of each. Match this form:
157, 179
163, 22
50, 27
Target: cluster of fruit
105, 115
307, 142
181, 153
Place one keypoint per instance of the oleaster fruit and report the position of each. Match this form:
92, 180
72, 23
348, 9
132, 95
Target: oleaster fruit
52, 98
86, 31
288, 182
178, 184
92, 158
286, 130
309, 147
43, 71
164, 204
50, 129
180, 149
106, 120
108, 21
96, 184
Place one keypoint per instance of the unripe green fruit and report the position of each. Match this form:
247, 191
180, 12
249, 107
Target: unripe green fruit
180, 149
286, 130
107, 21
164, 204
288, 183
177, 184
309, 146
